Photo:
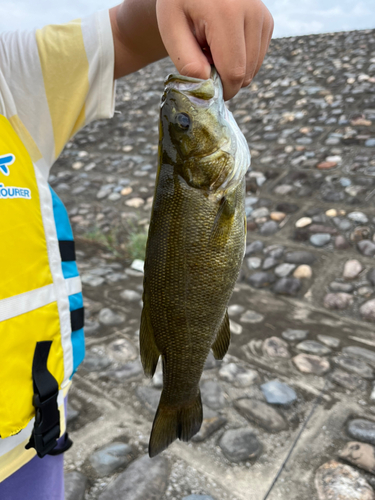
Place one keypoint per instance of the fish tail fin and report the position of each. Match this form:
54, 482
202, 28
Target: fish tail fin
171, 423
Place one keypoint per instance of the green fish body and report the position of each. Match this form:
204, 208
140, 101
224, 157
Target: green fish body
194, 250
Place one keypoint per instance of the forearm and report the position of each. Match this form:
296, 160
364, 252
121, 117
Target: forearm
136, 36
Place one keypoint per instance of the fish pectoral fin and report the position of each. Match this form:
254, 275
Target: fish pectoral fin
170, 423
149, 351
221, 223
222, 341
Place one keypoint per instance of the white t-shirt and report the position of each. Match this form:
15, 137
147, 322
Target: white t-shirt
56, 80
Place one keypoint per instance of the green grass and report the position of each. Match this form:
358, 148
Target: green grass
127, 242
136, 245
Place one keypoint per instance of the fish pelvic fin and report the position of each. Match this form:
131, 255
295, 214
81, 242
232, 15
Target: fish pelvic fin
149, 351
171, 423
222, 341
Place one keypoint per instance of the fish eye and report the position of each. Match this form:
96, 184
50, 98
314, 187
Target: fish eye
183, 121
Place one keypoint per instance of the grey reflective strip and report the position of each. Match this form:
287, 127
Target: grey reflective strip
26, 302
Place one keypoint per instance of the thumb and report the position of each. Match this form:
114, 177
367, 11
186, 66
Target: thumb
180, 42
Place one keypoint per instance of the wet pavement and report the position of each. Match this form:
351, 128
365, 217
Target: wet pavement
290, 412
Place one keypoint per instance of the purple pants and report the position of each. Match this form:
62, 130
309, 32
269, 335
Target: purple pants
39, 479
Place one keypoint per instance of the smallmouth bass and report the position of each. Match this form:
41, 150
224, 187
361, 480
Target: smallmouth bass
195, 247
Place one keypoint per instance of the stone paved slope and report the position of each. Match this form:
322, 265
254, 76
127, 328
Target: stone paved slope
303, 310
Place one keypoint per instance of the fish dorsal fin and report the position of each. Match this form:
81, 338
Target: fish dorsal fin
222, 341
149, 351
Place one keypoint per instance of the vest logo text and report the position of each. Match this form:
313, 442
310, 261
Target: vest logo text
9, 192
5, 161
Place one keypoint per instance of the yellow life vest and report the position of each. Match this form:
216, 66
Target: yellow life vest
41, 307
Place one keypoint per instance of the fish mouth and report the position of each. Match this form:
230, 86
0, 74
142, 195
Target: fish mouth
195, 88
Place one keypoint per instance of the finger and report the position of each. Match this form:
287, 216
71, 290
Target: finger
266, 39
228, 50
180, 42
253, 37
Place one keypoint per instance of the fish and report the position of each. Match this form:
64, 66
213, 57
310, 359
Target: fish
195, 247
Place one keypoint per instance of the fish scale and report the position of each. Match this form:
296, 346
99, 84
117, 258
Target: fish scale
194, 251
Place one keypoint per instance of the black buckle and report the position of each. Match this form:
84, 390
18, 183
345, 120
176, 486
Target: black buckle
46, 429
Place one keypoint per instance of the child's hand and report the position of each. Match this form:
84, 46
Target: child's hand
235, 33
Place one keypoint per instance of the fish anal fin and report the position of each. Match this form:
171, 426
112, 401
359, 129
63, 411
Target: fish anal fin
222, 341
149, 351
172, 422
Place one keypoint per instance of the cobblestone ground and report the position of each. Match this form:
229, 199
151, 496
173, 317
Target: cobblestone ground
298, 380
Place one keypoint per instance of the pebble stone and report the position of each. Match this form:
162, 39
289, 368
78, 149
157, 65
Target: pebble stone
212, 394
261, 279
108, 459
348, 381
130, 295
254, 247
269, 263
254, 262
303, 222
308, 363
362, 353
211, 423
108, 317
144, 479
352, 269
303, 272
251, 317
293, 335
300, 257
278, 393
341, 243
276, 348
235, 327
355, 365
235, 309
269, 228
283, 270
335, 481
240, 445
359, 454
362, 430
313, 347
371, 276
320, 239
338, 301
366, 247
329, 341
261, 414
75, 485
336, 286
138, 265
358, 217
240, 377
287, 286
367, 310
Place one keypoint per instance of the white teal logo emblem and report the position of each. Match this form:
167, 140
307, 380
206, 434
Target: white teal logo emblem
11, 192
5, 161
